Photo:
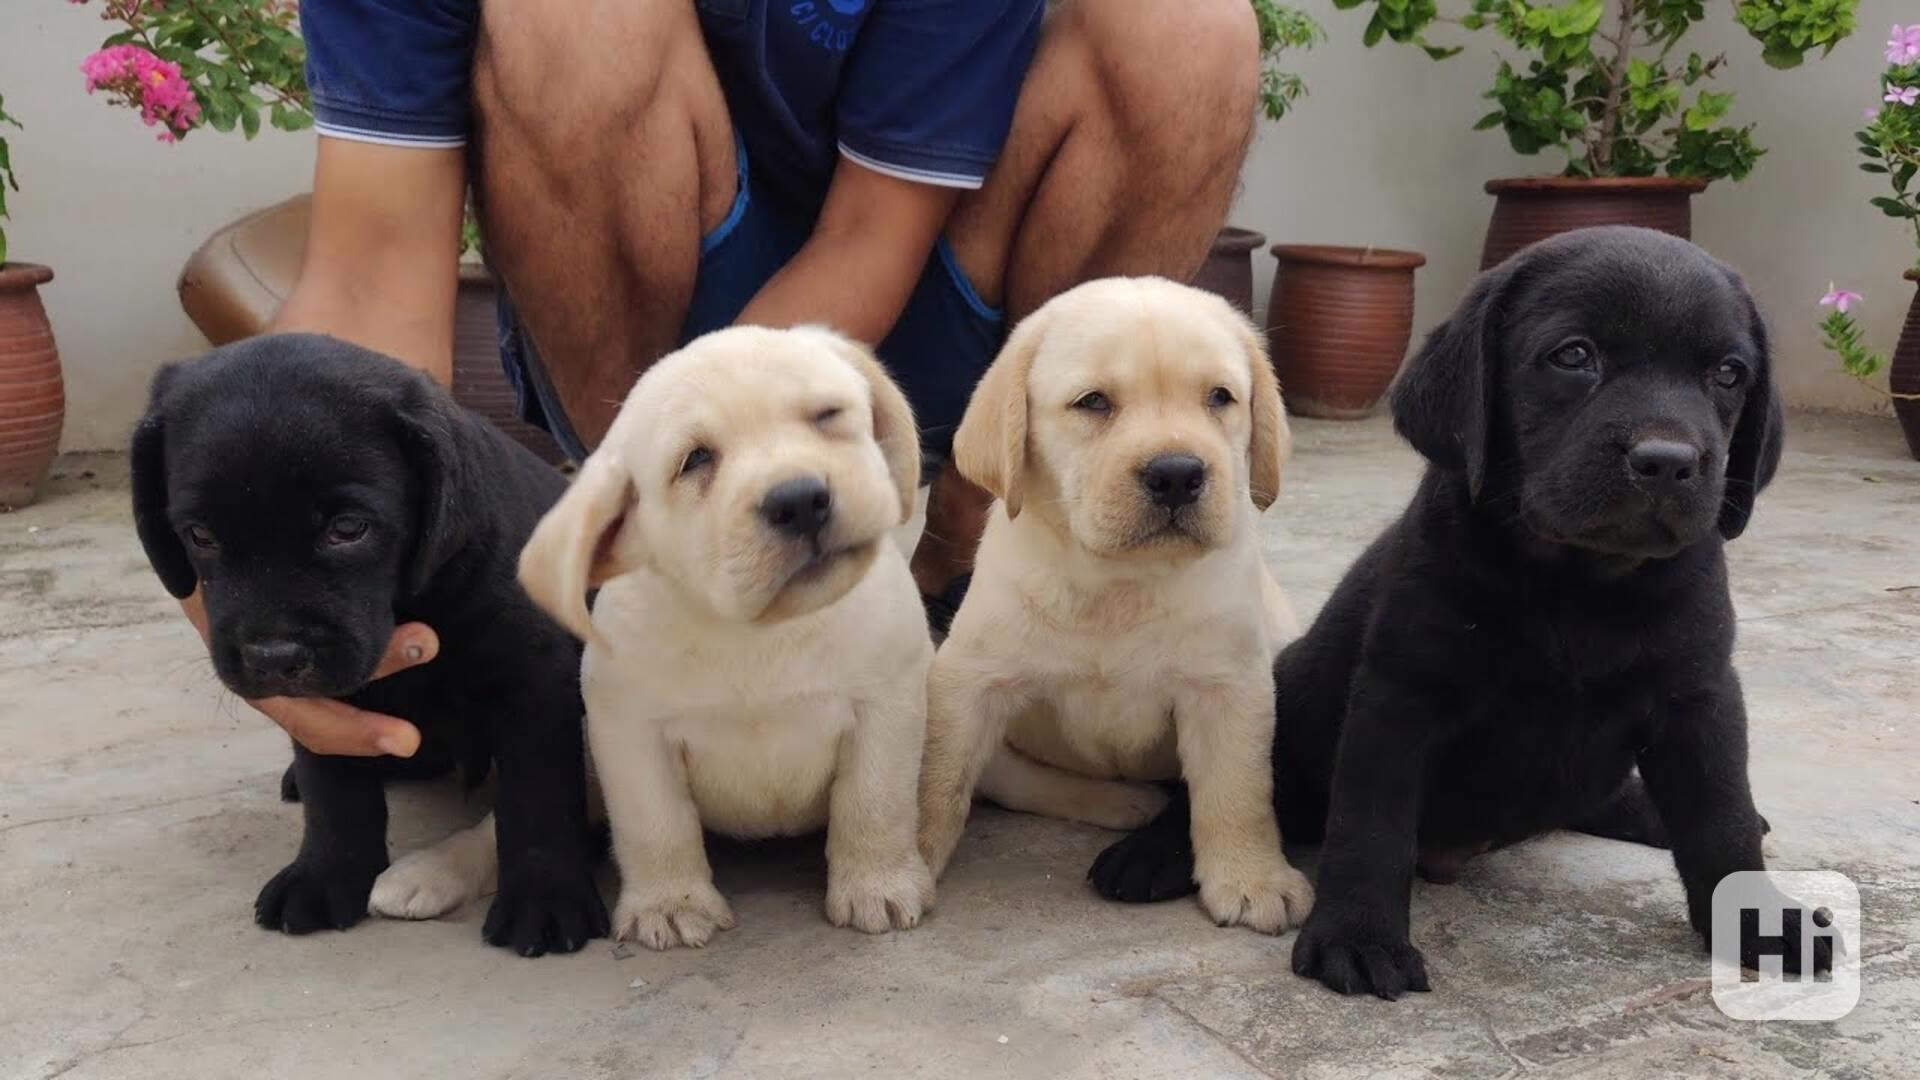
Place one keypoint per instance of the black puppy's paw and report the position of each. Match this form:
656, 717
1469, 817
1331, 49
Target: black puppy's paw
1791, 943
289, 786
1358, 955
309, 895
1145, 867
553, 910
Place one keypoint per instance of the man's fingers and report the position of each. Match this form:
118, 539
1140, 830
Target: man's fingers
412, 644
325, 726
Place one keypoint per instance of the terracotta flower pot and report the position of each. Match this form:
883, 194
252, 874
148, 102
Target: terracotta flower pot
1536, 207
1903, 376
1228, 270
478, 381
1338, 324
33, 402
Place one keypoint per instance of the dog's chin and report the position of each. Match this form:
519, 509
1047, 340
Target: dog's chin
816, 578
317, 683
1636, 536
1156, 534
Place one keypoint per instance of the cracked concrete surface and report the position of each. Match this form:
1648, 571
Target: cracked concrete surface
138, 816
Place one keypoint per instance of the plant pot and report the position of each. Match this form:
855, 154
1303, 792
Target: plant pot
1536, 207
33, 402
478, 381
1903, 376
1228, 270
1339, 321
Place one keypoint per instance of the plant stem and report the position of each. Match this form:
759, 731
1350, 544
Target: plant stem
1600, 154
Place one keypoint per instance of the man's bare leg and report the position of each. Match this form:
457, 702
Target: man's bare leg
604, 152
1124, 157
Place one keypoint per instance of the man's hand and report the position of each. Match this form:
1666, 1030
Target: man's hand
325, 726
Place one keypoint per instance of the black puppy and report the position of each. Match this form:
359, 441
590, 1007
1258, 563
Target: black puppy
1550, 611
319, 494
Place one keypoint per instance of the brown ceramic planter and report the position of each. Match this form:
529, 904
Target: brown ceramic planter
1228, 270
1536, 207
1903, 377
33, 402
1338, 325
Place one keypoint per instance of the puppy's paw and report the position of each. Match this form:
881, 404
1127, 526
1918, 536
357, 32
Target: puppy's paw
1145, 867
876, 899
1269, 900
424, 884
310, 895
666, 915
1121, 806
550, 909
1355, 954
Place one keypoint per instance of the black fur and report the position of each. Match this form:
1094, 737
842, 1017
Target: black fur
272, 450
1537, 623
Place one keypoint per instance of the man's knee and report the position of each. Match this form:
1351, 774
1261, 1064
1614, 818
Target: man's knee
1182, 78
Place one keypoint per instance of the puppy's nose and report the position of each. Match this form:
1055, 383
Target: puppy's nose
798, 507
1174, 480
276, 657
1663, 463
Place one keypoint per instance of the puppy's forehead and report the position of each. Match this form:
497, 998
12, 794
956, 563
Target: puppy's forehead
1140, 336
741, 380
269, 450
1673, 295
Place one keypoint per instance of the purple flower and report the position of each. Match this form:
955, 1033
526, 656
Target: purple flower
1903, 45
1873, 113
1840, 299
1902, 95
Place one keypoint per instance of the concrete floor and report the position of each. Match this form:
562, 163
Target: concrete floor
138, 816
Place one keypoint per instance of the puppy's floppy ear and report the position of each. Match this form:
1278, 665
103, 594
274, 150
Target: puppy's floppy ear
1272, 442
578, 543
1757, 436
893, 426
990, 446
1442, 401
164, 551
435, 436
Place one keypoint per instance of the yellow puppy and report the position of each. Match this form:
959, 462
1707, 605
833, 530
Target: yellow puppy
1121, 625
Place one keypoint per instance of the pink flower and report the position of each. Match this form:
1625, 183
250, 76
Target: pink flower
1840, 299
1903, 45
133, 76
1902, 95
1873, 113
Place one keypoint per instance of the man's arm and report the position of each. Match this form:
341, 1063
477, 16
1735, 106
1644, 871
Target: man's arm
383, 250
857, 269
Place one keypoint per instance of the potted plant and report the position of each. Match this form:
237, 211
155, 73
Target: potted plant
1339, 320
1890, 142
241, 64
1604, 82
1229, 266
32, 397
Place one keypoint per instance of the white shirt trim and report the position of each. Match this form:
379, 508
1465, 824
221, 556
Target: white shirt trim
388, 138
919, 176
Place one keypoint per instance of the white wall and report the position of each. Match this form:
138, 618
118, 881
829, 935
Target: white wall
1382, 153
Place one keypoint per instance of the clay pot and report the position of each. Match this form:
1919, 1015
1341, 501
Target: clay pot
1536, 207
1228, 270
33, 402
478, 381
1339, 321
1903, 377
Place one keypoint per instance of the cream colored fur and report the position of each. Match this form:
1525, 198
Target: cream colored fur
1103, 641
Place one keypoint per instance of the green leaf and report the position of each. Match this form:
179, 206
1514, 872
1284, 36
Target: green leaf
1375, 31
1904, 176
1440, 52
3, 243
1491, 120
1867, 166
250, 122
1893, 208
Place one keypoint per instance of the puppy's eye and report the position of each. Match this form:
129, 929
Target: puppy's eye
347, 529
1093, 401
1219, 398
1573, 356
827, 416
200, 537
1731, 373
697, 458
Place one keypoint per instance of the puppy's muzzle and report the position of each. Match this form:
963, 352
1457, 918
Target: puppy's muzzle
1172, 481
1664, 469
276, 659
799, 508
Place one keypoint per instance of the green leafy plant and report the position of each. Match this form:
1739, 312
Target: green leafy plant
7, 181
1605, 81
1282, 28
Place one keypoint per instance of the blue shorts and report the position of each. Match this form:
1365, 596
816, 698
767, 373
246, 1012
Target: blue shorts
937, 351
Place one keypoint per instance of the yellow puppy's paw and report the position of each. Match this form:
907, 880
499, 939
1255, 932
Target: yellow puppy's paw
877, 899
666, 916
1270, 900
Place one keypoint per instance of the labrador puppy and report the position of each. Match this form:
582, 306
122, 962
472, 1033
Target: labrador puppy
1550, 612
1121, 625
756, 659
317, 494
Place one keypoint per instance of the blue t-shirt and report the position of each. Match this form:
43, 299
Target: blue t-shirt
919, 89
